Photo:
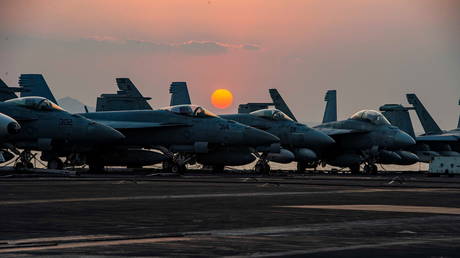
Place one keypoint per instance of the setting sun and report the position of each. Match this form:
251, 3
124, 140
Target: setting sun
221, 98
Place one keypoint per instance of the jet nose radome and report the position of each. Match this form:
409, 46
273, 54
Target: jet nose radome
13, 128
402, 140
318, 140
256, 137
104, 134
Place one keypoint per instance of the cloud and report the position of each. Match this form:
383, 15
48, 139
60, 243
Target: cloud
106, 44
192, 47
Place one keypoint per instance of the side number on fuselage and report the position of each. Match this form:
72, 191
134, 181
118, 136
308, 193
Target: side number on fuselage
65, 122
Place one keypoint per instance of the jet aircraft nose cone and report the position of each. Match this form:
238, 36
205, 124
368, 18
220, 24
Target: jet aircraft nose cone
256, 137
318, 139
13, 128
104, 134
402, 140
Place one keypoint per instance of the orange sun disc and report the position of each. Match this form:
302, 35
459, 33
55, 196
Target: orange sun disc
221, 98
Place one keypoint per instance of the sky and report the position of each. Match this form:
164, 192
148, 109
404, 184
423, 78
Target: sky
372, 51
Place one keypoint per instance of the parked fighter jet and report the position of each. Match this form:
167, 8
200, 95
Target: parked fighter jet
186, 134
365, 138
127, 98
48, 128
299, 142
451, 138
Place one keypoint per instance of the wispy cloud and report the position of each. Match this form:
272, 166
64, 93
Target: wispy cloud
193, 47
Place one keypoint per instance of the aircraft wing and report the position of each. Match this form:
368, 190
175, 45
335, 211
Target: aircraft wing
137, 125
336, 131
438, 138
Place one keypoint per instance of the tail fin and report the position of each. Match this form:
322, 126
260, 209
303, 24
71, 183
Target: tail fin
279, 103
399, 116
35, 85
6, 92
458, 125
179, 94
127, 97
428, 124
330, 113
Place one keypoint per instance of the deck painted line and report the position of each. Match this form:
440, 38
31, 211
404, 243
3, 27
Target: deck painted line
184, 196
95, 244
382, 208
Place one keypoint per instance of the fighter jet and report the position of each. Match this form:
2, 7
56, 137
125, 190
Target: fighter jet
187, 134
127, 98
48, 128
367, 137
299, 142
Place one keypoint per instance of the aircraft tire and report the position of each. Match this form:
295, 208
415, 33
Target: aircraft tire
301, 166
55, 164
178, 169
354, 169
19, 166
218, 168
96, 167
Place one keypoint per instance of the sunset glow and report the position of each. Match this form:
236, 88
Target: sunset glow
221, 98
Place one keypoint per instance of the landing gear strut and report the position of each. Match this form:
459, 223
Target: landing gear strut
24, 160
262, 167
173, 167
370, 169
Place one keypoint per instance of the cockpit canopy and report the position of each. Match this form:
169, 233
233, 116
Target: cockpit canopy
36, 103
372, 116
190, 110
272, 114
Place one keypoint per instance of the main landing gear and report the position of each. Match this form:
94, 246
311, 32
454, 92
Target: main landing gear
370, 169
262, 167
24, 160
177, 164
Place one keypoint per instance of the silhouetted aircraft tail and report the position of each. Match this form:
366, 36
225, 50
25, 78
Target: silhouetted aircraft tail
458, 125
6, 92
399, 116
330, 113
280, 104
179, 94
428, 123
35, 85
128, 97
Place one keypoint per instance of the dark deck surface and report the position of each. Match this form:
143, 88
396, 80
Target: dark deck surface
238, 215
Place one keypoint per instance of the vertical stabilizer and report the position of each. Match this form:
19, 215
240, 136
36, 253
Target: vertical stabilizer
458, 125
179, 94
128, 97
428, 123
35, 85
399, 116
279, 103
330, 113
6, 92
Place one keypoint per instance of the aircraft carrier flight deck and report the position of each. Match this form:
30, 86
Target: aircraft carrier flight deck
230, 214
